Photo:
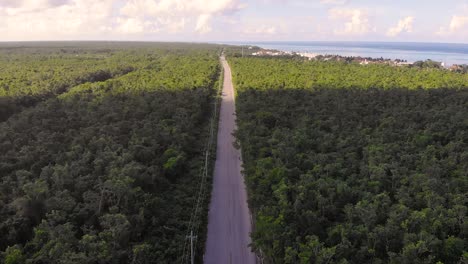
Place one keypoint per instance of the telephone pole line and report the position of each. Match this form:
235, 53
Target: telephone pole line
192, 254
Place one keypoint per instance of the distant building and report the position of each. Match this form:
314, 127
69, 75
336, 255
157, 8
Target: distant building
307, 55
403, 63
270, 53
364, 62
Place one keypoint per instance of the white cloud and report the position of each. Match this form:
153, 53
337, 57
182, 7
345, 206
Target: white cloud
334, 2
203, 24
173, 14
357, 21
104, 19
33, 4
210, 19
10, 3
131, 26
261, 30
306, 2
458, 25
54, 19
404, 25
176, 26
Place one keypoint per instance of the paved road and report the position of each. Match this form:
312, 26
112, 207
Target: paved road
229, 219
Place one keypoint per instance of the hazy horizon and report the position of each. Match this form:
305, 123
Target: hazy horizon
236, 42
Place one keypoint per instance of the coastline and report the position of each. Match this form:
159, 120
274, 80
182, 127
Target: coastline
447, 54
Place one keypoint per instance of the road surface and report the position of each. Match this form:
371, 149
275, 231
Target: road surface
229, 221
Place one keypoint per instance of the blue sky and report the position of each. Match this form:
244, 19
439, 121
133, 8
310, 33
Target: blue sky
235, 20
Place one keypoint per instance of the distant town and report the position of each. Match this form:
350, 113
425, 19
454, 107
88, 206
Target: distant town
256, 51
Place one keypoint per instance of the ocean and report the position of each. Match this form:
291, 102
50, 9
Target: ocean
448, 53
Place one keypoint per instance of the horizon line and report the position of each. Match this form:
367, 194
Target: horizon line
232, 41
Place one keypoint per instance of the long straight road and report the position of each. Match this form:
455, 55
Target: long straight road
229, 221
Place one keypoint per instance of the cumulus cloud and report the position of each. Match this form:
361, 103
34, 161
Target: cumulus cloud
326, 2
132, 26
404, 25
9, 3
171, 7
59, 2
32, 5
172, 14
261, 30
458, 25
357, 21
53, 19
91, 19
203, 25
334, 2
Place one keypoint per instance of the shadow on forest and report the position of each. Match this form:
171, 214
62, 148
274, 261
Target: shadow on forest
124, 164
288, 107
356, 175
12, 105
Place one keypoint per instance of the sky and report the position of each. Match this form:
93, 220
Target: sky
235, 20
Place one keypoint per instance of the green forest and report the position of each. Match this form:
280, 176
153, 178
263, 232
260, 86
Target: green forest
354, 164
102, 150
277, 73
107, 152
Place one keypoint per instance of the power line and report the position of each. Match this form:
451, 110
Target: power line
194, 222
192, 254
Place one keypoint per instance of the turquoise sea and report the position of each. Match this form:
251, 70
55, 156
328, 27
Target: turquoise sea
449, 53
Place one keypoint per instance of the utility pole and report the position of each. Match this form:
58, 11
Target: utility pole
192, 255
242, 51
